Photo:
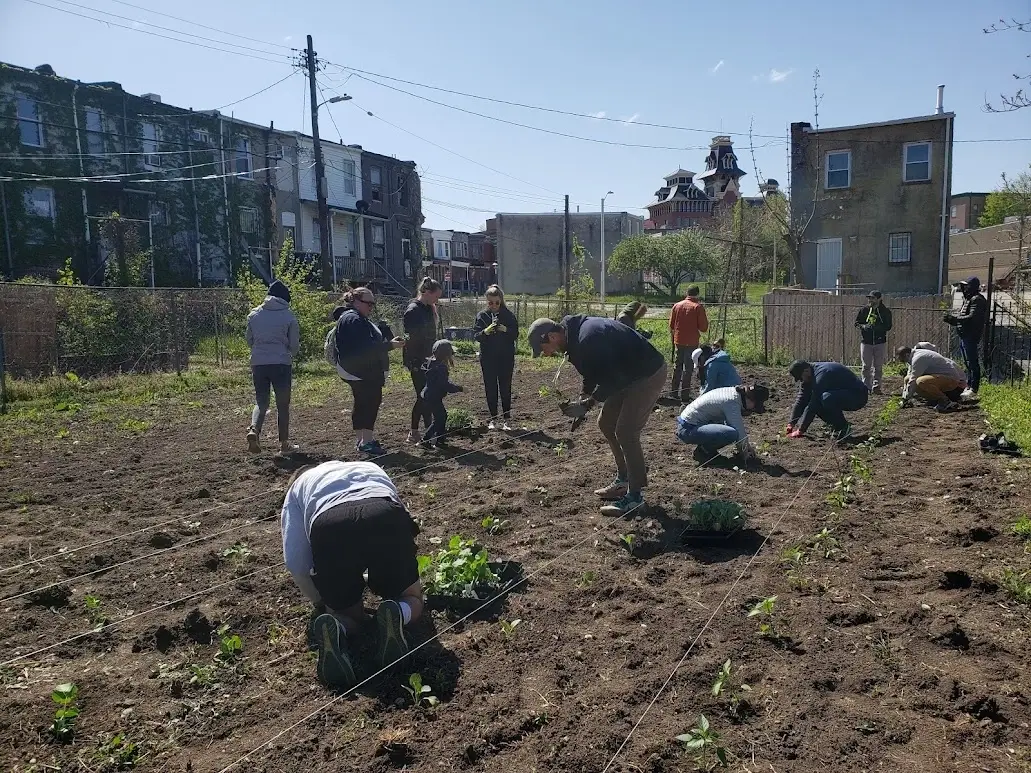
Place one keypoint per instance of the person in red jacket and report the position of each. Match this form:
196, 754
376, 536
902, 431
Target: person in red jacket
687, 322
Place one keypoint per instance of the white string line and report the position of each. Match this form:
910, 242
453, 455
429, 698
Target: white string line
719, 606
69, 580
526, 577
281, 563
240, 501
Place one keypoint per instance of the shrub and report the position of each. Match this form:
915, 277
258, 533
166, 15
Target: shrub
716, 515
459, 420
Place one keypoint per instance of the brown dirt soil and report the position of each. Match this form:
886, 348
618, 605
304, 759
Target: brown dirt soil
897, 648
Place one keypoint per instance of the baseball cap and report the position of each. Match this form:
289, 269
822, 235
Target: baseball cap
972, 282
538, 333
874, 294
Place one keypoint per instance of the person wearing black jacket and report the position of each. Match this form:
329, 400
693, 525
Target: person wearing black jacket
825, 390
497, 330
623, 371
420, 326
437, 375
969, 322
362, 361
874, 322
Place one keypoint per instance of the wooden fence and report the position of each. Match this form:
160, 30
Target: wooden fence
815, 325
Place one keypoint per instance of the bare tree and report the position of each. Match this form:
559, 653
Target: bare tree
1020, 98
793, 228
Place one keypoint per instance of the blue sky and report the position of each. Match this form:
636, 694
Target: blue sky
707, 66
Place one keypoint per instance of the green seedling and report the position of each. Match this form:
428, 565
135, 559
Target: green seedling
843, 492
825, 543
716, 515
860, 468
117, 753
238, 554
763, 448
546, 391
458, 420
431, 492
723, 685
704, 743
764, 611
561, 448
1022, 528
1017, 584
508, 627
493, 524
94, 610
630, 540
586, 579
201, 676
457, 570
63, 727
721, 679
230, 645
420, 693
511, 462
793, 557
716, 489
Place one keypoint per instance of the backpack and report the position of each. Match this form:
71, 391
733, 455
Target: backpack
329, 348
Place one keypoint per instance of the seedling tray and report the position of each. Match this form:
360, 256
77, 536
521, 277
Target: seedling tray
708, 537
509, 573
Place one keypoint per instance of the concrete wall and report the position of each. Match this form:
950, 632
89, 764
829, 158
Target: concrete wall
876, 204
529, 249
970, 251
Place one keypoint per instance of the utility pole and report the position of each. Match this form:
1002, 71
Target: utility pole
566, 252
271, 191
320, 176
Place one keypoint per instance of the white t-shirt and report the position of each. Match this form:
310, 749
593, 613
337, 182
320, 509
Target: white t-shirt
313, 493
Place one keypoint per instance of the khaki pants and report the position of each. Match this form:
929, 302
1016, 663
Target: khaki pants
873, 364
623, 416
933, 388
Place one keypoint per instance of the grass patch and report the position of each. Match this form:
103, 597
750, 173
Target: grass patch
1009, 410
744, 333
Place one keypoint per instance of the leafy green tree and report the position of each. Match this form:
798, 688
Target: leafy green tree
581, 282
672, 258
1011, 199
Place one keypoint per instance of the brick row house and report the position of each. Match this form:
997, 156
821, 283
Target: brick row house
93, 173
459, 260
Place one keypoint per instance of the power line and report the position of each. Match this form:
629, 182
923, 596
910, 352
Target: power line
115, 178
228, 104
155, 34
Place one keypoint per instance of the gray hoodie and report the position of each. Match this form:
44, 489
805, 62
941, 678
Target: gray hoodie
273, 333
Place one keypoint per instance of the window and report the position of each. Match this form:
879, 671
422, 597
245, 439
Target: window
953, 210
30, 127
94, 131
249, 221
839, 169
159, 213
243, 158
443, 250
406, 244
402, 190
899, 246
149, 141
40, 202
201, 136
916, 162
461, 250
376, 176
379, 241
348, 170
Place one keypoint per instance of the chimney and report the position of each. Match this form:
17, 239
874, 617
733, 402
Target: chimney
152, 97
938, 109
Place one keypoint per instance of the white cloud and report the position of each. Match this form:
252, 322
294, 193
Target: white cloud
776, 76
288, 38
599, 114
632, 119
716, 69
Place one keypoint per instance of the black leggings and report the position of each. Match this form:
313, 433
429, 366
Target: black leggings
419, 410
497, 379
368, 396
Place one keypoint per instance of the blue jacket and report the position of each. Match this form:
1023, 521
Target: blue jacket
362, 349
608, 355
438, 385
719, 372
827, 377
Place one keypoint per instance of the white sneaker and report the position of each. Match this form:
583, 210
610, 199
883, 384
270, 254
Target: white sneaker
968, 394
505, 427
491, 425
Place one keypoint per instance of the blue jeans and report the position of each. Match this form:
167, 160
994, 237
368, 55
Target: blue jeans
830, 406
710, 436
971, 361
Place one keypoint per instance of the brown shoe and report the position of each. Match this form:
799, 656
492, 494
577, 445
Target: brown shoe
252, 441
615, 490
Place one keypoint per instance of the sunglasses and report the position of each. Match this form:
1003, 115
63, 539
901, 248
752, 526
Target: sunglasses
369, 303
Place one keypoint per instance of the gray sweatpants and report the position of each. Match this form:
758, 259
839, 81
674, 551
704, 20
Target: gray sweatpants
622, 418
873, 364
266, 378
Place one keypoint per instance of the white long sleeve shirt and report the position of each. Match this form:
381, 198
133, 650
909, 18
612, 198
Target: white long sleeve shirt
927, 362
718, 406
313, 493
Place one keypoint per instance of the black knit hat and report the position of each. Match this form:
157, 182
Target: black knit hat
279, 290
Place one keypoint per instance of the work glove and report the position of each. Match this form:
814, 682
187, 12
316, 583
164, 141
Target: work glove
489, 330
577, 412
795, 433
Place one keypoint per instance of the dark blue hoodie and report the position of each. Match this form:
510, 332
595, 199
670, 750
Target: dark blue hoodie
363, 347
827, 377
609, 355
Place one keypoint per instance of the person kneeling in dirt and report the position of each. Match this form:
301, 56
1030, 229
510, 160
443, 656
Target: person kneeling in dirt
827, 390
623, 371
715, 420
932, 376
340, 519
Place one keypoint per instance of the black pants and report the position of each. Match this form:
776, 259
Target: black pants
419, 410
497, 379
368, 396
682, 368
438, 422
971, 361
266, 378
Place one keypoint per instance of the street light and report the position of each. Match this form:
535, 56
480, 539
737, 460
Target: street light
334, 100
603, 246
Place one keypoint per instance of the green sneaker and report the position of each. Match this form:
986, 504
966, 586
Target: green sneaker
334, 668
391, 644
624, 506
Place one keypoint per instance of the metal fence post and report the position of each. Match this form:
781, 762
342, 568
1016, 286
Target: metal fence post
3, 375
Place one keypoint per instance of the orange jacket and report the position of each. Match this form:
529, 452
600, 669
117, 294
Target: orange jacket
687, 322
